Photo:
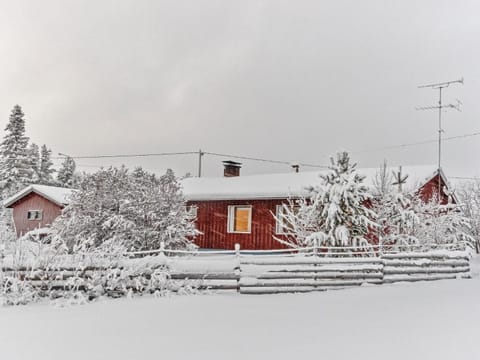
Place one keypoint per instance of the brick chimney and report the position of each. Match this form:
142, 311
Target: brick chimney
231, 168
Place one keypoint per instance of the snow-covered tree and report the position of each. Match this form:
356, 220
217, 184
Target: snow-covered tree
395, 214
15, 167
46, 166
382, 182
335, 212
441, 224
469, 195
160, 212
33, 153
66, 173
137, 210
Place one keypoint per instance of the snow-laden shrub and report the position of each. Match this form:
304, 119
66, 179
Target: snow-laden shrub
16, 291
442, 224
408, 222
35, 271
469, 196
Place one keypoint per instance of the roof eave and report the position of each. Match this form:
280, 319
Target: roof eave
27, 191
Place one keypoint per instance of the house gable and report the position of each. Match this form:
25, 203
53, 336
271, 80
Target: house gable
34, 202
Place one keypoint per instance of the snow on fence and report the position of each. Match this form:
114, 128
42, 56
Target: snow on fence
273, 271
432, 265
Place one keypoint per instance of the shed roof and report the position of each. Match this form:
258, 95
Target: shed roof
283, 185
55, 194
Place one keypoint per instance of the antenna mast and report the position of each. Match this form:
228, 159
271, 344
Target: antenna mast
440, 106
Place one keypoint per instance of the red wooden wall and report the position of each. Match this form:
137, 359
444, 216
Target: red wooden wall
33, 201
212, 222
430, 189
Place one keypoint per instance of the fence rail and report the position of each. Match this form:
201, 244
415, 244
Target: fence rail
271, 272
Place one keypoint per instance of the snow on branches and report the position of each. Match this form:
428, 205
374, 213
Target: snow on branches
137, 210
15, 165
408, 222
334, 213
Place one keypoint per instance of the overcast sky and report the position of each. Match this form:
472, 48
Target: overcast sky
287, 80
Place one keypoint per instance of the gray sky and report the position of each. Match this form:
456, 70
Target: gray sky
288, 80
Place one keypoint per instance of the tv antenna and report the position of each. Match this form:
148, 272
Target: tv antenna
399, 179
440, 106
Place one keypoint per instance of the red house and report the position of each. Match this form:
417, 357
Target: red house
36, 207
239, 209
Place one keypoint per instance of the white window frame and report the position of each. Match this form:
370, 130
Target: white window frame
38, 215
231, 219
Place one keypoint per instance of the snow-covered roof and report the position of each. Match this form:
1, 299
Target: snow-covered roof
58, 195
278, 186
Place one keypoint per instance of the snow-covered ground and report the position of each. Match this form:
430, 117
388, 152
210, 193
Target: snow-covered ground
434, 320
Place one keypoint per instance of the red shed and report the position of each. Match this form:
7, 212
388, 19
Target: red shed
37, 206
240, 209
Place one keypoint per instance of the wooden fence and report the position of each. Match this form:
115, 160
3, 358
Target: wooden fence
279, 271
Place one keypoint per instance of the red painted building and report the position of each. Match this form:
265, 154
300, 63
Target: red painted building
240, 209
36, 207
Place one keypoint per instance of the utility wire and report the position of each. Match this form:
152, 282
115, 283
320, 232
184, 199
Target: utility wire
464, 178
417, 143
263, 160
126, 155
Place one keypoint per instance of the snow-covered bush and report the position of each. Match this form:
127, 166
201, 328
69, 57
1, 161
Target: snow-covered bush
136, 210
469, 195
441, 224
37, 271
334, 213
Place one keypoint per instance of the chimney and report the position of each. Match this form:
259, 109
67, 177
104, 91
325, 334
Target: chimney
231, 168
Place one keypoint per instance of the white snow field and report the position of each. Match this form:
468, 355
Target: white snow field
425, 320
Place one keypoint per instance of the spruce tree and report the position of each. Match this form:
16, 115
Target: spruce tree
46, 166
66, 173
336, 211
15, 169
34, 161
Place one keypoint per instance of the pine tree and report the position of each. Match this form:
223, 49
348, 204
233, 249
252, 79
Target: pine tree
34, 161
46, 167
15, 169
335, 212
66, 173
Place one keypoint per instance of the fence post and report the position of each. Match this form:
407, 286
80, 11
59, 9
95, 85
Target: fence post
238, 270
162, 248
315, 255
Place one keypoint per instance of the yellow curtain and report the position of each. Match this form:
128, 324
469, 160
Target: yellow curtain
242, 218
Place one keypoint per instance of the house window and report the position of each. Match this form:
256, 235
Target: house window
193, 209
34, 215
282, 226
239, 219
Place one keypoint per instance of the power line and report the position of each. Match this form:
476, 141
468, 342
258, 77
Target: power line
183, 153
262, 160
272, 161
417, 143
126, 155
464, 178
